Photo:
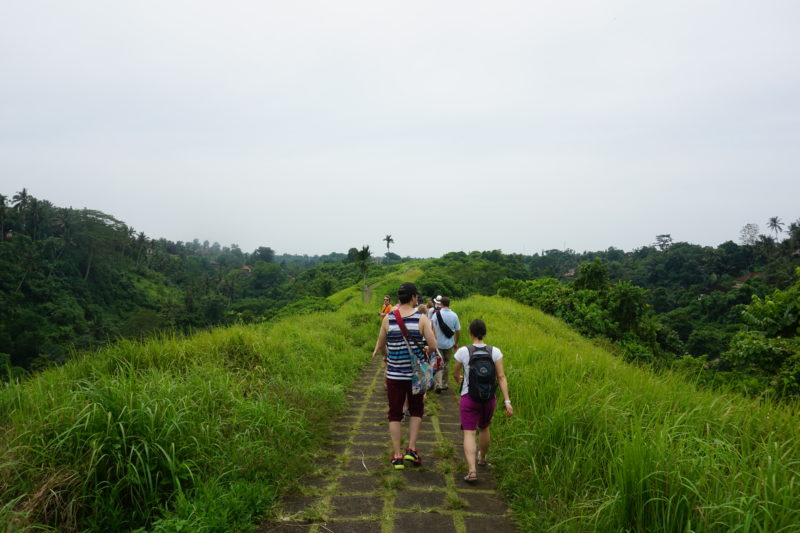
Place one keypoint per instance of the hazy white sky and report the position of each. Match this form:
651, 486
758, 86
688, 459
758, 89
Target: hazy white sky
314, 127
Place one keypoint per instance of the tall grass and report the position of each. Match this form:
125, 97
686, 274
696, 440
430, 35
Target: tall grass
204, 433
598, 445
176, 434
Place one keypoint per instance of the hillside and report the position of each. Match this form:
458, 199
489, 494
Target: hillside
206, 432
600, 445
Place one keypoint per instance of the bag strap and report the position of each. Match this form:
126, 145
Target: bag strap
399, 318
447, 330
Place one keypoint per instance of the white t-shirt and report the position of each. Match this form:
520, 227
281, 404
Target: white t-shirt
462, 356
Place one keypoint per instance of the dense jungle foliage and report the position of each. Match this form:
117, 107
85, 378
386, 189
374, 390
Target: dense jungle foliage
77, 278
728, 315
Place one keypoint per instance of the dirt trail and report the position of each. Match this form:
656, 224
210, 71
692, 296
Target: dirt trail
357, 491
368, 290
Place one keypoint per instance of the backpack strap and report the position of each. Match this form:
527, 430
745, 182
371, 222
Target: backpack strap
471, 349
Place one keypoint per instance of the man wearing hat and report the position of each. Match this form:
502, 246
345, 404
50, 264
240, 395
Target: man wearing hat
398, 350
448, 330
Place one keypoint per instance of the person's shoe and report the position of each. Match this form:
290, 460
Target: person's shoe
471, 477
439, 390
482, 461
413, 456
397, 463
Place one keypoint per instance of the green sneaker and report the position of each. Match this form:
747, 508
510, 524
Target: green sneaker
413, 456
397, 463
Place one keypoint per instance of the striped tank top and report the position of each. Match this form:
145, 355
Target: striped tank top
398, 363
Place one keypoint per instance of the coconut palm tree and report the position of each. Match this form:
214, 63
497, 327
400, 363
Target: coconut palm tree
776, 225
21, 201
389, 241
2, 217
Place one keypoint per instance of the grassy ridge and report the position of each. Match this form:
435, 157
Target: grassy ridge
597, 445
176, 434
205, 433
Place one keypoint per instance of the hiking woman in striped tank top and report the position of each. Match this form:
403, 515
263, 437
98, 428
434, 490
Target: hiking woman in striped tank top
393, 346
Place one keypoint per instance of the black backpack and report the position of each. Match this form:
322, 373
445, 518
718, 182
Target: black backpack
482, 374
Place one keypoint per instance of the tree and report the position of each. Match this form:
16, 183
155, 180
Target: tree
389, 241
592, 275
769, 344
352, 255
663, 241
263, 253
21, 201
749, 234
2, 218
626, 305
362, 260
775, 225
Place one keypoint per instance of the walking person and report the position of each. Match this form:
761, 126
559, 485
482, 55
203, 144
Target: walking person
448, 330
398, 348
473, 369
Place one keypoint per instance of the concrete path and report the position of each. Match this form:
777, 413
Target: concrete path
355, 489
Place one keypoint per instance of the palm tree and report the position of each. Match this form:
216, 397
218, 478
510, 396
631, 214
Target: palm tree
35, 216
776, 225
21, 200
362, 259
389, 241
2, 218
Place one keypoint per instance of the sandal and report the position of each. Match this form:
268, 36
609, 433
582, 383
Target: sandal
482, 460
471, 477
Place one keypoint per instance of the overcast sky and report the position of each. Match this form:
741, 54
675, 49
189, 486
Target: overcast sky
313, 127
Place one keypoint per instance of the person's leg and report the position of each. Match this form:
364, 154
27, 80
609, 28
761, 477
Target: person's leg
484, 439
416, 405
469, 449
443, 373
396, 432
438, 382
487, 412
395, 391
413, 431
469, 423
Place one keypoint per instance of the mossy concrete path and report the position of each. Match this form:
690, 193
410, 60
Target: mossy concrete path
356, 490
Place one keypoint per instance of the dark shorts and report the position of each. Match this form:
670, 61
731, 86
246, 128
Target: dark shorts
476, 415
398, 391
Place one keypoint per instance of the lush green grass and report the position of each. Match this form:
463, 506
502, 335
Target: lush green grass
598, 445
205, 433
177, 434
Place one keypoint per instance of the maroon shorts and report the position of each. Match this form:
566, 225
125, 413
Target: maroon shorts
398, 391
476, 415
